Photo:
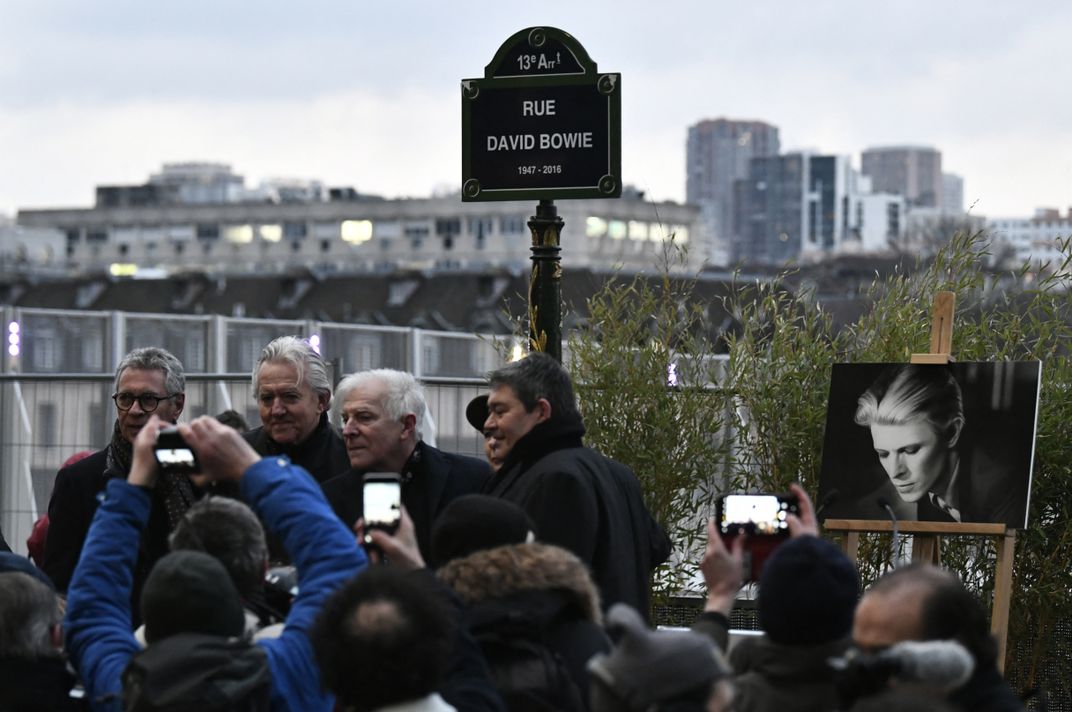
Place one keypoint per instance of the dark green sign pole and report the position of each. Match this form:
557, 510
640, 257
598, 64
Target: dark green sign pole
545, 282
542, 123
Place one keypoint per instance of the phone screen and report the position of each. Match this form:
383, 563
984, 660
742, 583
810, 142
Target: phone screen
766, 512
180, 458
382, 503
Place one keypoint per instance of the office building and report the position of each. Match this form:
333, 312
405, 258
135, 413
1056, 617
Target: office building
952, 194
717, 155
1035, 239
912, 171
194, 217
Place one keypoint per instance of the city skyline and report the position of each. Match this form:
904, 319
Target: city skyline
105, 93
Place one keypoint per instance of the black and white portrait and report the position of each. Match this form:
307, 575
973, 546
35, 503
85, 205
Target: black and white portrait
947, 443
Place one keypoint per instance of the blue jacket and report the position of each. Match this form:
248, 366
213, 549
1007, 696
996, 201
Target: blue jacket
98, 624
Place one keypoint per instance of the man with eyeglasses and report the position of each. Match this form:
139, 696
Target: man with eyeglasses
148, 381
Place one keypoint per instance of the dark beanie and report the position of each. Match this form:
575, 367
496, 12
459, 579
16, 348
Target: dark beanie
190, 592
477, 412
476, 522
807, 592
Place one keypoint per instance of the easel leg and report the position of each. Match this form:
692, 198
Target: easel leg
852, 546
999, 616
926, 548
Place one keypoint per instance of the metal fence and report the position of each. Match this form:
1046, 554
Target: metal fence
56, 381
44, 419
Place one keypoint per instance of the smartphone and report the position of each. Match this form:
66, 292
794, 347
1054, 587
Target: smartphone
173, 454
382, 502
756, 514
763, 518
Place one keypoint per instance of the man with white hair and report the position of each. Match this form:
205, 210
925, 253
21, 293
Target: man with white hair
385, 416
293, 391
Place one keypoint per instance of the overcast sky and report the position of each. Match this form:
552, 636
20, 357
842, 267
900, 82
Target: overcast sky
366, 94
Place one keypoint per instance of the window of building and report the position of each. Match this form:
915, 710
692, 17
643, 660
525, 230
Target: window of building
512, 224
356, 232
271, 233
92, 344
638, 230
97, 236
448, 227
363, 352
46, 424
238, 234
45, 350
295, 230
208, 231
325, 245
481, 225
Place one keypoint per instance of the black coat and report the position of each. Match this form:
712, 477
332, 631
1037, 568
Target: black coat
41, 685
588, 504
70, 512
437, 479
322, 454
773, 676
538, 594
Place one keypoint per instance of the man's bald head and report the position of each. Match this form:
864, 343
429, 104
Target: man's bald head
923, 602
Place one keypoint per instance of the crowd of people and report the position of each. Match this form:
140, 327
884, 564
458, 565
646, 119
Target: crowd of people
520, 582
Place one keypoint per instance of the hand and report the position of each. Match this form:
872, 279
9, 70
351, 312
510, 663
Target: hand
399, 549
221, 451
722, 569
143, 467
805, 524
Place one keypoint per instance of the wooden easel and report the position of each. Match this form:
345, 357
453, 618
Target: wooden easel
926, 542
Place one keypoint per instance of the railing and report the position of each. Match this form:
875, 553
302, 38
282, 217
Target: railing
46, 418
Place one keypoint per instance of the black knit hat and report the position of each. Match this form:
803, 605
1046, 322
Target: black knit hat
477, 412
190, 592
807, 593
649, 666
476, 522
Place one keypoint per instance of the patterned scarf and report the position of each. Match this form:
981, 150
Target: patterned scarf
173, 488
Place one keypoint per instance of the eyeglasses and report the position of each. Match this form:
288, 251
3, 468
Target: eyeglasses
148, 401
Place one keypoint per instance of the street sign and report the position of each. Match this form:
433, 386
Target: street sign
542, 124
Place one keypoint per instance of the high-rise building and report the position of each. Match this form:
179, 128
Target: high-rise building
912, 171
717, 155
952, 194
807, 207
796, 206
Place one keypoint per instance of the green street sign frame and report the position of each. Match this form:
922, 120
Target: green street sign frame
542, 124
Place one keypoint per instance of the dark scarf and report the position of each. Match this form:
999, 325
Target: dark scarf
558, 433
174, 489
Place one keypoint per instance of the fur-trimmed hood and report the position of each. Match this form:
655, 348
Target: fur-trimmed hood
520, 568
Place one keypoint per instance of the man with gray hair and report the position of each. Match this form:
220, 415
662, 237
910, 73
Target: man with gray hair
148, 381
33, 669
293, 391
385, 417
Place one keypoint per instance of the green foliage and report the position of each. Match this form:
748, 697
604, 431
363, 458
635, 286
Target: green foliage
670, 436
773, 398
